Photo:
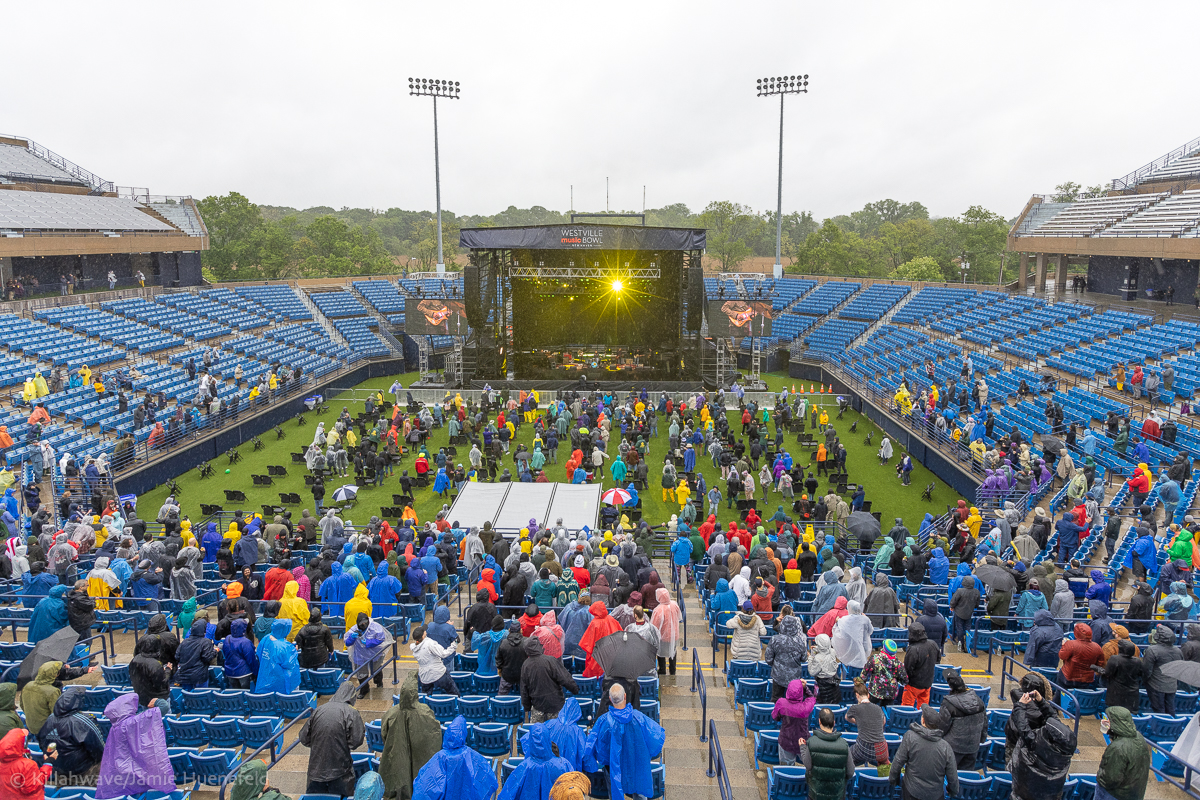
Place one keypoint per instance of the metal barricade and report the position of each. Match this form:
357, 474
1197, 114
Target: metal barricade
716, 762
698, 685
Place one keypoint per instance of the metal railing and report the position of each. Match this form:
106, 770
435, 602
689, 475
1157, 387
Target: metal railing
1135, 177
698, 685
70, 167
716, 762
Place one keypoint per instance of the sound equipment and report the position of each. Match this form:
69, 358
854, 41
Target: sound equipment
695, 297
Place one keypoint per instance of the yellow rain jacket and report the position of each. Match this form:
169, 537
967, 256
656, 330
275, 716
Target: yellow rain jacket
359, 605
293, 608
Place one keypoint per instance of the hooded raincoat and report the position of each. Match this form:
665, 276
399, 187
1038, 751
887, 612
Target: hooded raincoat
456, 772
135, 754
279, 668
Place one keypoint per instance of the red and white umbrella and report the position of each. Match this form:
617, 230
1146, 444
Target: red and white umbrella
615, 497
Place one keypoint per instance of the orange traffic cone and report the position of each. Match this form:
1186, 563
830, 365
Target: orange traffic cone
812, 388
793, 388
802, 388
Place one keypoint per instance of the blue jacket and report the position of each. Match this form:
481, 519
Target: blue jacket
337, 588
456, 772
566, 733
681, 551
1068, 531
723, 599
536, 774
485, 644
211, 543
382, 591
939, 567
964, 571
624, 740
415, 579
240, 658
442, 632
36, 587
1044, 641
279, 666
1147, 553
50, 615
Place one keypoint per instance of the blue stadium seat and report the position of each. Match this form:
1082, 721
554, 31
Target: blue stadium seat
231, 702
116, 675
467, 662
322, 681
444, 706
374, 736
212, 764
997, 719
507, 766
95, 698
186, 730
899, 718
588, 687
292, 705
658, 781
871, 786
200, 701
651, 709
973, 788
648, 687
257, 731
737, 670
766, 748
757, 717
788, 783
1166, 728
507, 709
491, 739
261, 704
465, 681
486, 684
751, 690
475, 708
181, 763
224, 731
364, 763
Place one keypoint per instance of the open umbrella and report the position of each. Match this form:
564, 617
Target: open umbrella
862, 526
625, 655
1052, 444
344, 493
1186, 671
996, 577
55, 647
615, 497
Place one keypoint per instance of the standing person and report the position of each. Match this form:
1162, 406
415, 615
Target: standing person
926, 761
794, 708
1078, 656
20, 775
332, 731
411, 736
624, 740
431, 663
870, 746
196, 653
786, 654
78, 739
1125, 766
1160, 687
367, 641
1041, 755
883, 674
666, 619
962, 719
135, 753
1123, 675
456, 772
241, 660
827, 760
920, 659
542, 681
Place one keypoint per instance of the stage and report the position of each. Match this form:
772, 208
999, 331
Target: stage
510, 506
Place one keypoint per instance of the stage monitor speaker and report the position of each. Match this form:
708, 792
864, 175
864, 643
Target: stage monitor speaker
476, 316
695, 297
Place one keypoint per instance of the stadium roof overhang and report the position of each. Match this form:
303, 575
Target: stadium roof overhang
1126, 246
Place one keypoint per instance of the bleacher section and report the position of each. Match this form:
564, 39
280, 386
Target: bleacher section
360, 335
279, 301
1175, 216
1089, 217
111, 328
167, 318
181, 215
788, 291
338, 304
202, 306
19, 162
384, 298
872, 304
931, 302
787, 327
825, 298
1185, 167
52, 344
834, 335
438, 287
32, 211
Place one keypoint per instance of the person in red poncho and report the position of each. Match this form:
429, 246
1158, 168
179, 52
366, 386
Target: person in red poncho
274, 581
20, 776
752, 519
825, 623
707, 528
580, 571
530, 620
387, 538
601, 625
487, 583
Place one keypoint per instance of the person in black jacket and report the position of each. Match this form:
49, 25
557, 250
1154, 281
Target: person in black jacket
150, 676
962, 719
510, 657
542, 682
479, 616
1141, 607
196, 653
934, 624
515, 587
331, 733
157, 628
78, 738
920, 659
81, 610
314, 641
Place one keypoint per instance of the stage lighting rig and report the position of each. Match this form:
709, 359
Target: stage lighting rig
447, 90
618, 285
767, 87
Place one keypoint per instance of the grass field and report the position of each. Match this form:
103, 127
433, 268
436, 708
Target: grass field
862, 465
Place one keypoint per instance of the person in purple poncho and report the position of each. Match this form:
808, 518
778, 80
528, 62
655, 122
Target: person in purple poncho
135, 754
795, 708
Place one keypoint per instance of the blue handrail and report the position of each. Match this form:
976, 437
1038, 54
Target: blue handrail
699, 685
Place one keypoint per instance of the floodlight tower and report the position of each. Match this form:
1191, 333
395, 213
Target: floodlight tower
788, 84
424, 87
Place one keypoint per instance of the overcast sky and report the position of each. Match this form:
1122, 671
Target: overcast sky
305, 104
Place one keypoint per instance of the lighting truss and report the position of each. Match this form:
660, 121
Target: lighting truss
578, 273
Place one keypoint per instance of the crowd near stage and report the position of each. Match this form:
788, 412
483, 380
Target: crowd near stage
551, 303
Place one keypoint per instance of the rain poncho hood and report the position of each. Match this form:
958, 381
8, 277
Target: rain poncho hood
411, 735
456, 772
279, 666
625, 741
536, 774
135, 754
565, 733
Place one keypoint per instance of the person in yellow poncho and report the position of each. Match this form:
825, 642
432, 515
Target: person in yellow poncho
233, 534
102, 582
98, 386
809, 535
351, 440
39, 383
29, 393
358, 605
682, 492
85, 374
458, 401
823, 419
1145, 470
974, 521
979, 450
626, 525
526, 547
903, 401
185, 532
293, 608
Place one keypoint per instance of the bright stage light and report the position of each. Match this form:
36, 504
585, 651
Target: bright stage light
617, 285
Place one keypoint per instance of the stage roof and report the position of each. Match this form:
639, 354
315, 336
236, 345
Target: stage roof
582, 237
510, 506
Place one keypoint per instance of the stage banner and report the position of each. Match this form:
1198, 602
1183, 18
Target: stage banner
581, 237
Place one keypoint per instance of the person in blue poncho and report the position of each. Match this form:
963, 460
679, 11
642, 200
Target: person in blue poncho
384, 590
724, 599
939, 567
926, 524
441, 484
456, 772
574, 619
1146, 552
211, 542
49, 616
566, 734
120, 567
689, 459
415, 580
337, 589
484, 643
964, 572
534, 776
11, 503
430, 562
579, 476
633, 496
346, 552
623, 740
278, 666
36, 584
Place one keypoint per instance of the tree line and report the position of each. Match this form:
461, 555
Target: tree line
883, 239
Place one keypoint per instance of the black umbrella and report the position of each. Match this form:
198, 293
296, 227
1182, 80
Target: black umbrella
55, 647
625, 655
1052, 444
998, 578
863, 525
1186, 671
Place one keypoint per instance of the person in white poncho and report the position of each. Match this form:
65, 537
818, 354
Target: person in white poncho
852, 637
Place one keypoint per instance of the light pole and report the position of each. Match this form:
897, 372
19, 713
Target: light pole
793, 84
423, 87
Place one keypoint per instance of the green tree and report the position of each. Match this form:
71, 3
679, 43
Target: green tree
1091, 192
728, 226
232, 223
1066, 192
921, 268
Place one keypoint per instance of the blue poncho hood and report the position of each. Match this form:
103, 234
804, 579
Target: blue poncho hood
565, 732
625, 740
49, 615
536, 774
279, 669
456, 772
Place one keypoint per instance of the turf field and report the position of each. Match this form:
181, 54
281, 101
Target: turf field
883, 487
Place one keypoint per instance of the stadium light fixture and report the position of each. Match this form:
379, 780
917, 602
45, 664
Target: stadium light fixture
768, 87
447, 90
618, 285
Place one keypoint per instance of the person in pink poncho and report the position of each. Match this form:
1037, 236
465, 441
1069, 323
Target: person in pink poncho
550, 634
666, 618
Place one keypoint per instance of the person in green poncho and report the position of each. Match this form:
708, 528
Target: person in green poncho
1182, 547
187, 614
411, 736
1125, 766
251, 784
884, 555
8, 709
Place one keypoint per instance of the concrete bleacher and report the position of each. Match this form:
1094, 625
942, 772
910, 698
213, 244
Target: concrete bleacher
1089, 217
338, 304
181, 215
1184, 167
31, 211
1174, 216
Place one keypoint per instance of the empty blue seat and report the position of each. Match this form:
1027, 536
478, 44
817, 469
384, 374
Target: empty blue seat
737, 670
997, 719
212, 764
751, 690
1166, 728
181, 763
491, 739
766, 748
224, 731
507, 766
973, 788
899, 718
651, 709
257, 731
588, 687
374, 736
788, 783
186, 730
486, 684
292, 705
444, 706
95, 698
467, 662
507, 709
116, 675
757, 717
465, 681
1091, 701
872, 786
648, 687
261, 704
200, 701
322, 681
475, 708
